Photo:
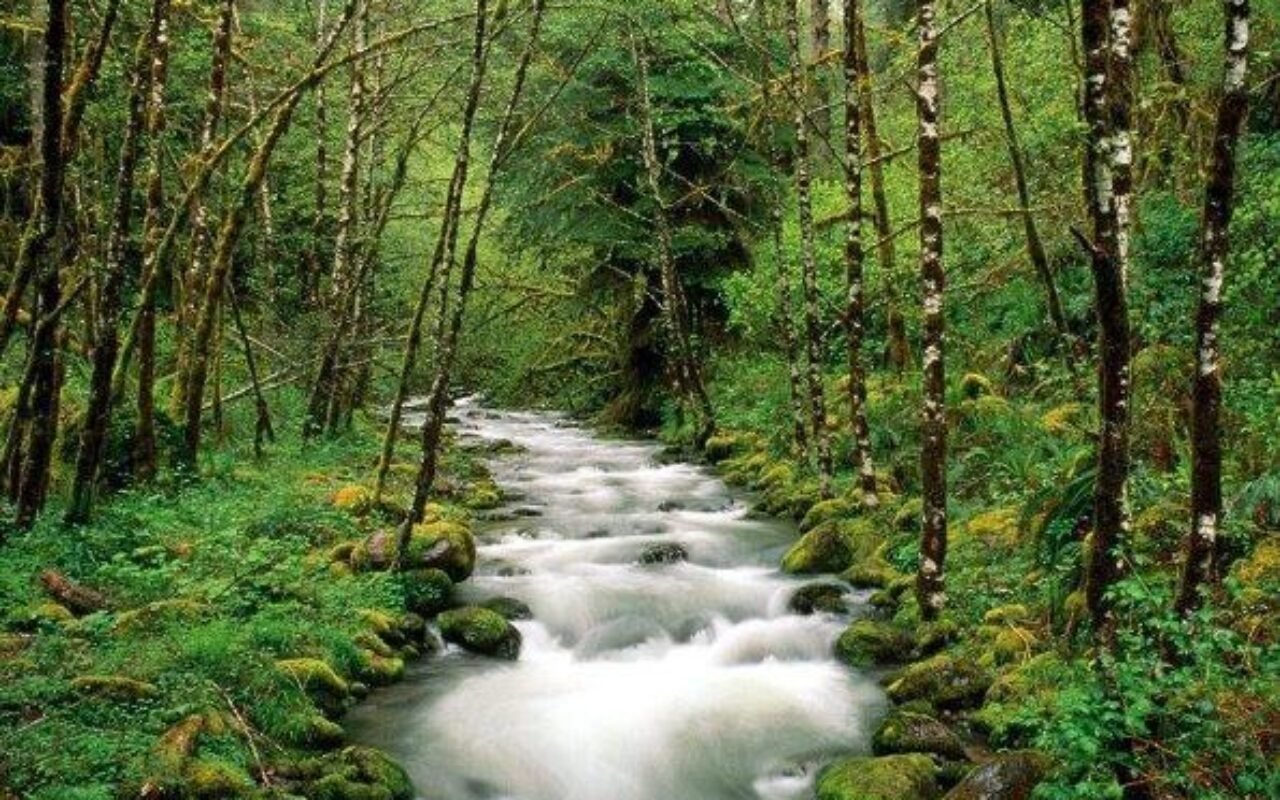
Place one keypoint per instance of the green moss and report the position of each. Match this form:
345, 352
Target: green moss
481, 631
872, 572
973, 386
867, 642
482, 495
943, 680
913, 732
161, 612
907, 517
215, 780
114, 687
1007, 775
443, 545
426, 591
316, 676
831, 547
836, 508
900, 777
353, 499
1020, 698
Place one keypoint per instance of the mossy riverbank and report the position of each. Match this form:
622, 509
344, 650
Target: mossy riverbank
204, 640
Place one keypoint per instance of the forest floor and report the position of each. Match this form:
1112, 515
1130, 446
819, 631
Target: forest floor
199, 640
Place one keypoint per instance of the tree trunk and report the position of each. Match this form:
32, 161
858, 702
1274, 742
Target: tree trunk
854, 257
1035, 247
97, 419
786, 314
32, 483
144, 446
447, 347
228, 237
342, 278
1206, 386
809, 264
931, 578
1109, 162
320, 219
820, 45
191, 279
75, 97
897, 351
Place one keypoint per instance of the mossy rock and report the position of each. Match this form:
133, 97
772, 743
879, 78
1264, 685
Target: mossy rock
376, 553
867, 642
723, 445
482, 496
11, 644
318, 679
913, 732
1011, 614
900, 777
1004, 644
426, 591
384, 625
443, 545
906, 519
999, 527
114, 687
378, 669
935, 635
209, 779
161, 612
509, 607
663, 553
47, 614
828, 511
1020, 698
823, 596
831, 547
873, 572
775, 477
481, 631
354, 773
353, 499
945, 681
973, 386
1007, 776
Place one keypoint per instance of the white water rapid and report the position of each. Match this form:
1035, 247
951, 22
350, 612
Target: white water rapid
678, 681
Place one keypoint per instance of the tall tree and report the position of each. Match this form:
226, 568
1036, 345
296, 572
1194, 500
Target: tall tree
106, 336
1206, 386
930, 580
808, 258
32, 481
144, 446
853, 258
1105, 36
820, 47
1035, 246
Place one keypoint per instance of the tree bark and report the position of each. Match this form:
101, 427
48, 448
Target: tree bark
320, 218
809, 263
191, 279
1109, 161
447, 347
897, 351
144, 446
931, 578
1035, 246
228, 237
97, 419
820, 45
32, 483
1206, 387
854, 257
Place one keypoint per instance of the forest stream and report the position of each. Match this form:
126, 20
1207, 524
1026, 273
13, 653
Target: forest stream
686, 679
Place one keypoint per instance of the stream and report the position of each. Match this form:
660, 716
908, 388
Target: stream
676, 681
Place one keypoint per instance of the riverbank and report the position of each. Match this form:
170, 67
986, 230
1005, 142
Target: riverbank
204, 640
1007, 689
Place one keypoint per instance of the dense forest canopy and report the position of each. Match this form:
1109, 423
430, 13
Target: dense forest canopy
982, 294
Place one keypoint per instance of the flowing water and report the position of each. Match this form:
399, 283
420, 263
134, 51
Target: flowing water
680, 681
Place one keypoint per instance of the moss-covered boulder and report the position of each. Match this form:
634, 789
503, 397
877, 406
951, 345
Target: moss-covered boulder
481, 631
509, 607
726, 444
318, 679
426, 591
873, 572
482, 495
912, 732
1007, 776
828, 597
161, 612
900, 777
827, 511
945, 681
443, 545
210, 779
354, 773
831, 547
973, 386
867, 642
353, 499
